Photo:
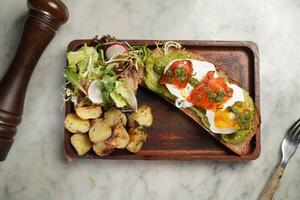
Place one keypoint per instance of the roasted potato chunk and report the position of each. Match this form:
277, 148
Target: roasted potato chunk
81, 143
103, 148
88, 112
142, 118
137, 138
99, 131
114, 116
75, 124
120, 137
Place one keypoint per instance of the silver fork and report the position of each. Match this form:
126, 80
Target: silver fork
288, 148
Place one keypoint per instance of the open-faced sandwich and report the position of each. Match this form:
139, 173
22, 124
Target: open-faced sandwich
102, 84
204, 93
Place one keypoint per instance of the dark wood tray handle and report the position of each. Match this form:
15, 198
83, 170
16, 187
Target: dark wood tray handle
44, 19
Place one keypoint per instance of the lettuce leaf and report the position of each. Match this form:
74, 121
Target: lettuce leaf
126, 91
79, 59
130, 97
72, 77
118, 99
108, 85
121, 89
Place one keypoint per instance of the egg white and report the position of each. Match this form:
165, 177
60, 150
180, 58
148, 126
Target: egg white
237, 95
201, 68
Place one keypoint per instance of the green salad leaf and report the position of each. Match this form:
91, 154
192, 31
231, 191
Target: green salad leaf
121, 89
72, 77
118, 99
108, 81
123, 92
79, 59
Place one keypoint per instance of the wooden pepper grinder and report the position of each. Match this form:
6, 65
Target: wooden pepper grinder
44, 19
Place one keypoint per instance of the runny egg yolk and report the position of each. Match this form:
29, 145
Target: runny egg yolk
225, 119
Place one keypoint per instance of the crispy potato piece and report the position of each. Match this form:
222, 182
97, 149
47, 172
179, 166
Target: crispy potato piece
142, 118
114, 116
81, 143
120, 137
137, 138
103, 148
88, 112
99, 131
75, 124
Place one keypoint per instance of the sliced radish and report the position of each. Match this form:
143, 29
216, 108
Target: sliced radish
94, 92
115, 49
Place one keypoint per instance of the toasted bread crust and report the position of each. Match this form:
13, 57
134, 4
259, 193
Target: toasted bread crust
243, 148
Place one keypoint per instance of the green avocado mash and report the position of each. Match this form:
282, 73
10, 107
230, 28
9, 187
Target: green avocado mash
201, 114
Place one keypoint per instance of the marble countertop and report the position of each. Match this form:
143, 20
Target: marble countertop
36, 168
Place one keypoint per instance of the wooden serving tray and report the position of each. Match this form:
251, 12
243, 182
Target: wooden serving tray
174, 136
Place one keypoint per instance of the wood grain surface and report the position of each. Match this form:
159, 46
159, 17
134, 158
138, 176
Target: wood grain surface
173, 135
272, 185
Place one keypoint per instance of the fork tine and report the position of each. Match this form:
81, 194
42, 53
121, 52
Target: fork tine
292, 128
296, 133
295, 130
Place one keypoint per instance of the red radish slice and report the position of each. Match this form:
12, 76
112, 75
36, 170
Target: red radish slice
114, 50
94, 92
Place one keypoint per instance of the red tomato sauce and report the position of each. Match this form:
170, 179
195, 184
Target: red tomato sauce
210, 93
178, 74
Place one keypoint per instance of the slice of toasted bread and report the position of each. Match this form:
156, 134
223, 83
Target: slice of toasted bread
243, 148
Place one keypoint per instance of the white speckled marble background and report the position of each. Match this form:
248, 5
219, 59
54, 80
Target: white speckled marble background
36, 168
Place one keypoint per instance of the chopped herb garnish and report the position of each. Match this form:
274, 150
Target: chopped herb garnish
198, 98
159, 68
215, 96
193, 81
239, 104
243, 119
180, 74
207, 90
